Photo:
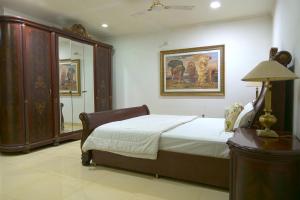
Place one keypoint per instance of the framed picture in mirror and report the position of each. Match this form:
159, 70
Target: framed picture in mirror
69, 77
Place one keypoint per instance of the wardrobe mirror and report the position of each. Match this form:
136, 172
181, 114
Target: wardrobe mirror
76, 83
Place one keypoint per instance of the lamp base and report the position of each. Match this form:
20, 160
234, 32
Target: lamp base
266, 133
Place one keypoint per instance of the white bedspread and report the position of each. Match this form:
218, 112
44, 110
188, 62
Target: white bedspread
202, 136
136, 137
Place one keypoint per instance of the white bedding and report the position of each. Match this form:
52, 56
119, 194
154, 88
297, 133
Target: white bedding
202, 136
135, 137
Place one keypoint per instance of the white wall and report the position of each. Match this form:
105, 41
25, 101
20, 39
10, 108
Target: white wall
1, 10
286, 36
136, 65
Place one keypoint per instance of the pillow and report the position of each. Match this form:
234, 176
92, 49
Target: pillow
242, 120
231, 115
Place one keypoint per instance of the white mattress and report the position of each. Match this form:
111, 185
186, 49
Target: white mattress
202, 136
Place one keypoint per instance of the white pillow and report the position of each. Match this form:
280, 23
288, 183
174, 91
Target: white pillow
244, 116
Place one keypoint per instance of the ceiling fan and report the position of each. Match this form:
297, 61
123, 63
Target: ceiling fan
157, 5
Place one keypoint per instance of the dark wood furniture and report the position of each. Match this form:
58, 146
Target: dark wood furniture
283, 107
29, 103
62, 120
264, 168
200, 169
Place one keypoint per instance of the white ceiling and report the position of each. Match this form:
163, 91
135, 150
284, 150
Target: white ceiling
121, 18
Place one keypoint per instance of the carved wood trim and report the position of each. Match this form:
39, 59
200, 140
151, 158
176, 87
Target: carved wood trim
58, 31
78, 29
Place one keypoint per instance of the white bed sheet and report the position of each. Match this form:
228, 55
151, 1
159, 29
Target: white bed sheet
202, 136
135, 137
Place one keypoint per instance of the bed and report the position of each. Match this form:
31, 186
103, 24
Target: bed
176, 157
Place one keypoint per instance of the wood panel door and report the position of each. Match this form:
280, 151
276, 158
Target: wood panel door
38, 98
12, 127
102, 78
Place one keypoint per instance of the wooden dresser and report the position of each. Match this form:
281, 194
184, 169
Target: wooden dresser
264, 168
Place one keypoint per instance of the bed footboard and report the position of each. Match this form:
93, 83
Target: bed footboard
90, 121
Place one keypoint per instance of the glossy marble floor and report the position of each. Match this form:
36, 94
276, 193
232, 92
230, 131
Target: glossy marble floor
55, 173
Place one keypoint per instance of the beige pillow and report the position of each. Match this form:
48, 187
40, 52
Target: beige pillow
231, 115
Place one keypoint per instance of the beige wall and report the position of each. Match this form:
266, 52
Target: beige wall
136, 68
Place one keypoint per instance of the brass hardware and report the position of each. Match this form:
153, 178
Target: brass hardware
40, 83
93, 164
40, 107
267, 120
79, 30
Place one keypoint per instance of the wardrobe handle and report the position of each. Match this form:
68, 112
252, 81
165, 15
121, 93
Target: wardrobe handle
50, 92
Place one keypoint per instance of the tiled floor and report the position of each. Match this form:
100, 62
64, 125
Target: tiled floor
55, 173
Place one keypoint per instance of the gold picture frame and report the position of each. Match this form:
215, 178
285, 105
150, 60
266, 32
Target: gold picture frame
193, 72
69, 77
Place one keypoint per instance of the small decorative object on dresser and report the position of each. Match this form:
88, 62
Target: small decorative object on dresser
264, 168
192, 72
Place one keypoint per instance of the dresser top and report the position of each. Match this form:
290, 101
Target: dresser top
246, 139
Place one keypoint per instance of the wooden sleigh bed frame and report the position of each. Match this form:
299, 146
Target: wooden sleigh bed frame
200, 169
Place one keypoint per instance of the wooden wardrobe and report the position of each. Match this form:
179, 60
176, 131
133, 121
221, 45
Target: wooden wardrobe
29, 83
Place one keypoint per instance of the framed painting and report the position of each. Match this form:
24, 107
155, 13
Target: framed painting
192, 72
69, 77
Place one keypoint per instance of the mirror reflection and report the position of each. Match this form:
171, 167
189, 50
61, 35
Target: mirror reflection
76, 83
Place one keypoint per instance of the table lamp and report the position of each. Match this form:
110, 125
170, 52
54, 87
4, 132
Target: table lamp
268, 71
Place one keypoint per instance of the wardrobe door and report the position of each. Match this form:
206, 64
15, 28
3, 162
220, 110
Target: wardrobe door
12, 130
76, 83
102, 78
38, 100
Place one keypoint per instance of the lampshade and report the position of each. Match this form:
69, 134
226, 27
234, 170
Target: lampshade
270, 71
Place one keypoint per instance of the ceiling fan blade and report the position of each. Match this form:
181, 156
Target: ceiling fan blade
178, 7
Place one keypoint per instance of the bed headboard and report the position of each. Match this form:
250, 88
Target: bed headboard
282, 97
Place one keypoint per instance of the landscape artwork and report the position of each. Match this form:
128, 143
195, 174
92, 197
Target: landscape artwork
69, 77
192, 72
